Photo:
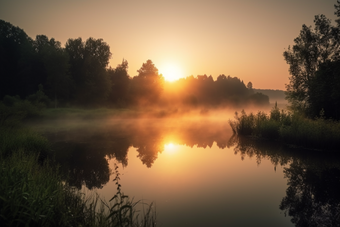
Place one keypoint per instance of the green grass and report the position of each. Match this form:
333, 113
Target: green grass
34, 195
290, 128
32, 192
14, 139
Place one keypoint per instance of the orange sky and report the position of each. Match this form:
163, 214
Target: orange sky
245, 38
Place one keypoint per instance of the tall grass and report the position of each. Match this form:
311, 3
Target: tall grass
26, 140
34, 195
290, 128
32, 192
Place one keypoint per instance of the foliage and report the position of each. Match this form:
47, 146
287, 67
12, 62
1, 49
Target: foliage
313, 66
289, 128
24, 140
122, 212
88, 62
78, 75
147, 86
324, 93
39, 99
34, 195
54, 63
16, 54
13, 109
205, 91
120, 82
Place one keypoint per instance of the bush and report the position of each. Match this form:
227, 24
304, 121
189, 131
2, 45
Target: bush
13, 110
289, 128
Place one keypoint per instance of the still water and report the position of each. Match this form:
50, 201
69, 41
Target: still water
197, 173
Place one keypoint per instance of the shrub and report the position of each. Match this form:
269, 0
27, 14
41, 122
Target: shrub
289, 128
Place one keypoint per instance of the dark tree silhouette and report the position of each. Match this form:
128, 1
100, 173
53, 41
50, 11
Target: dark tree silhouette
324, 93
147, 86
88, 62
78, 75
313, 47
120, 81
16, 55
250, 86
54, 67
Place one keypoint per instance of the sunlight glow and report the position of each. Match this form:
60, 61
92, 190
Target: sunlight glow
171, 72
170, 148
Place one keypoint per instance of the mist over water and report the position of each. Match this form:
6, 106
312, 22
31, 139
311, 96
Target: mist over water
194, 169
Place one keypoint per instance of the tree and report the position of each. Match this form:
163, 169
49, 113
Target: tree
55, 67
16, 54
147, 86
88, 62
313, 47
250, 85
324, 93
120, 81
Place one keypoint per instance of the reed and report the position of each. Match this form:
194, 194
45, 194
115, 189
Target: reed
290, 128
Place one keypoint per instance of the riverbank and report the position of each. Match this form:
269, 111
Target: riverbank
289, 128
32, 189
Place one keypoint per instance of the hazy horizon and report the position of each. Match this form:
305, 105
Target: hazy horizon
241, 39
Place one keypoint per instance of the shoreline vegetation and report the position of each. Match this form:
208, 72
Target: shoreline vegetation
290, 128
32, 189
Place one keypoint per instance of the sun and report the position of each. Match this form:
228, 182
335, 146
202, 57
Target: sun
170, 148
171, 72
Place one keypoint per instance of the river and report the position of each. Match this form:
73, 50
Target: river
197, 173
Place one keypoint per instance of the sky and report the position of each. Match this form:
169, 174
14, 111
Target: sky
244, 39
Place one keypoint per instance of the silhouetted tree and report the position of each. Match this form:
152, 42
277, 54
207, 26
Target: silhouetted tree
88, 62
120, 81
54, 67
16, 54
250, 87
324, 93
313, 47
147, 86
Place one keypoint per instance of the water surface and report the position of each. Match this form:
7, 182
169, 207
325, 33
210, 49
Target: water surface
198, 174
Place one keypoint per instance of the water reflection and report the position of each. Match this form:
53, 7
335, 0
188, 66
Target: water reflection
84, 150
273, 151
313, 197
313, 179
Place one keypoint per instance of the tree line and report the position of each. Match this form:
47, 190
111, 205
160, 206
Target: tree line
78, 74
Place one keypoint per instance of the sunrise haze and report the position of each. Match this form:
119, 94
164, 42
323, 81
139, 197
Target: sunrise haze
244, 39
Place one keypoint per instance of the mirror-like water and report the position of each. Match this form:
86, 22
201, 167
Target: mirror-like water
198, 174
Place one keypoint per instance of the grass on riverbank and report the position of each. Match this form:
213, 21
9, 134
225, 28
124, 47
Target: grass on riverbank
34, 195
32, 192
289, 128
